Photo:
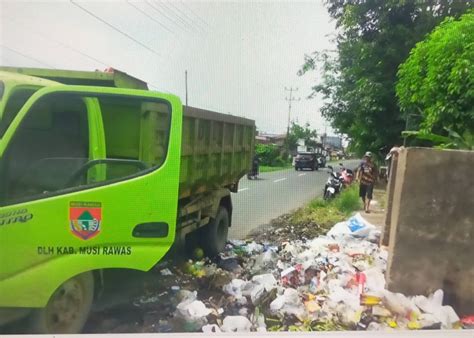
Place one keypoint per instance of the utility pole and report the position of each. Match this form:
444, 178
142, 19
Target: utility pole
290, 99
186, 84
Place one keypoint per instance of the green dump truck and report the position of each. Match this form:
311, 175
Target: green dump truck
97, 172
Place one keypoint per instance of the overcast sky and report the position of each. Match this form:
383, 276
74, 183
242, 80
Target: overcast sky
240, 56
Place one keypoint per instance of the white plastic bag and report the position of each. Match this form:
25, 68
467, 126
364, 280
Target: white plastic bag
236, 324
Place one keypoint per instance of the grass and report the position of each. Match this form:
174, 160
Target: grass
348, 201
327, 213
314, 219
266, 169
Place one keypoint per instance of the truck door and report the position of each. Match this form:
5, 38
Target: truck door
88, 180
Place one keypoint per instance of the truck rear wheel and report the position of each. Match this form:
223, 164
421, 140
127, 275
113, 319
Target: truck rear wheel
67, 309
215, 235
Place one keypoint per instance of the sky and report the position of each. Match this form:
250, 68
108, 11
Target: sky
240, 56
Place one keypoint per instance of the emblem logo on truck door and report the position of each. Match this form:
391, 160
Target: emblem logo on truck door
85, 219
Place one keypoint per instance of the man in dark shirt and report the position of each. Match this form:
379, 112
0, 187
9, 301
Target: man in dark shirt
367, 175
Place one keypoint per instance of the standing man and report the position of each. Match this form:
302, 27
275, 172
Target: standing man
367, 175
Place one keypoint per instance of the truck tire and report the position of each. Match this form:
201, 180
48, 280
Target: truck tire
67, 309
215, 235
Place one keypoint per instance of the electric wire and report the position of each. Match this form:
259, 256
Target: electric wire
185, 15
26, 56
192, 27
150, 17
194, 13
115, 28
156, 9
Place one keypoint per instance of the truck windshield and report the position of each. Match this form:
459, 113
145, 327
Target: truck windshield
16, 100
51, 150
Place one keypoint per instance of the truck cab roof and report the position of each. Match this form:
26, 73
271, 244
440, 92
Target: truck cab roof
14, 78
109, 78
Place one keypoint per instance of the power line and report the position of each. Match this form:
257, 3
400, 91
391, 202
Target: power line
166, 16
26, 56
150, 17
197, 16
185, 15
114, 28
44, 36
193, 28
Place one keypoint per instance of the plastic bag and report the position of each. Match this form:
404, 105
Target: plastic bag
234, 288
288, 303
267, 280
236, 324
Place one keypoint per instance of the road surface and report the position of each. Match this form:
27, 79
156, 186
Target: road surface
274, 194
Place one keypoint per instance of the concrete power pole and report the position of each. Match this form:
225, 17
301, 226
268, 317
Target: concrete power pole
186, 84
290, 99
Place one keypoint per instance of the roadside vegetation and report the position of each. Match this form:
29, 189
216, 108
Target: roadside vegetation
327, 213
386, 75
314, 219
266, 169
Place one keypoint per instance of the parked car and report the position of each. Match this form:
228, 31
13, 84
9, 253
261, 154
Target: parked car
306, 160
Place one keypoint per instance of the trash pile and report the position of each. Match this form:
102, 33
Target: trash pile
332, 282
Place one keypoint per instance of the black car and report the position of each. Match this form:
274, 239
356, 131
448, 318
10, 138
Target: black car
306, 160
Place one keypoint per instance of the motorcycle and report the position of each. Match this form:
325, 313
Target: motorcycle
334, 184
253, 173
321, 161
347, 175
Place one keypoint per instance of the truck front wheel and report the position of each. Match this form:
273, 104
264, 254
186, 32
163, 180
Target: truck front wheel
67, 309
215, 236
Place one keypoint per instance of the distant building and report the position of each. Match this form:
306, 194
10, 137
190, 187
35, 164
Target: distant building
333, 142
276, 139
261, 140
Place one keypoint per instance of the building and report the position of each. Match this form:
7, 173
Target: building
276, 139
333, 142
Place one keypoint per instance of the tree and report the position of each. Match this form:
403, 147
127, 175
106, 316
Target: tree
298, 132
358, 79
437, 80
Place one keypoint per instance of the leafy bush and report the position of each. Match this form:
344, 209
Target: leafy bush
348, 201
280, 162
452, 141
267, 153
270, 155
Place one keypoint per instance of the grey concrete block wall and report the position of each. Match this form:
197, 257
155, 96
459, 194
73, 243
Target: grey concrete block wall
432, 226
385, 239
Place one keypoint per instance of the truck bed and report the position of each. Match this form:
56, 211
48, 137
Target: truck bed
216, 150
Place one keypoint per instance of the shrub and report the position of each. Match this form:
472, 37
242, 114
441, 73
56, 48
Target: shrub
267, 153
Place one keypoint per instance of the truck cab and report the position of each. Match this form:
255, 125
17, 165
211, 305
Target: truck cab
88, 180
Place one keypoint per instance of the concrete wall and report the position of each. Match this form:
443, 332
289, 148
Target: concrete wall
432, 226
390, 190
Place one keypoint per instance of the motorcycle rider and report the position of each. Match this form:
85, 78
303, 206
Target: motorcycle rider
255, 165
367, 175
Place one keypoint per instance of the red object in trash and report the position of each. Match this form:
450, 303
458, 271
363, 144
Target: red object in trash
468, 321
360, 279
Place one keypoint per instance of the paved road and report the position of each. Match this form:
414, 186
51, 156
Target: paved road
274, 194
